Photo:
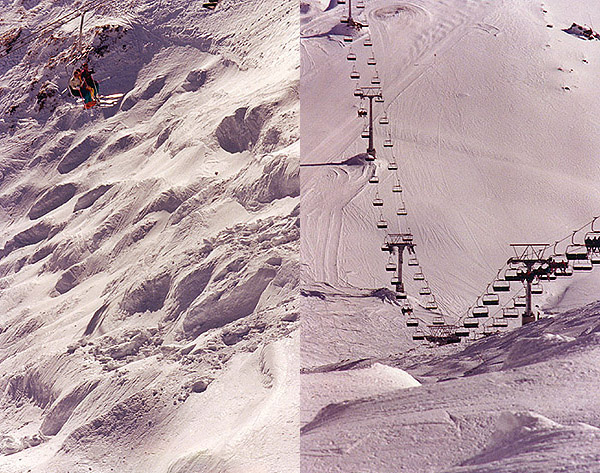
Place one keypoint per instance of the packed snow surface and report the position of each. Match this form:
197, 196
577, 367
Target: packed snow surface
149, 249
491, 108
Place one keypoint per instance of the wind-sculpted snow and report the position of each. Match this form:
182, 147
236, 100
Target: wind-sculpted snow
146, 271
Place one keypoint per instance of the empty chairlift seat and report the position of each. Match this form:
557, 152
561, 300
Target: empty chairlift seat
395, 281
431, 305
401, 210
377, 202
537, 288
397, 187
358, 92
511, 275
520, 301
419, 276
374, 180
471, 322
582, 265
387, 143
400, 295
391, 266
360, 5
407, 237
501, 286
368, 42
438, 321
365, 133
462, 332
375, 80
384, 120
413, 261
351, 56
490, 299
576, 252
499, 322
425, 291
480, 311
354, 74
418, 335
371, 61
382, 223
412, 322
510, 313
392, 166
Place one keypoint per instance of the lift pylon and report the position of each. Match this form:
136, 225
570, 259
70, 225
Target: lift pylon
400, 242
371, 93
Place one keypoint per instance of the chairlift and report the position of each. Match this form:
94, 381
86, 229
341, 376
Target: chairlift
462, 332
401, 210
480, 311
388, 143
582, 265
401, 295
374, 180
360, 5
371, 60
377, 202
395, 280
397, 187
511, 275
548, 276
425, 291
392, 166
382, 223
418, 335
358, 92
595, 258
438, 320
565, 272
510, 313
431, 305
537, 288
412, 322
419, 276
592, 240
375, 80
341, 2
520, 301
354, 74
351, 56
344, 19
391, 265
576, 252
365, 133
500, 285
490, 299
348, 39
487, 331
413, 261
370, 157
407, 237
499, 322
379, 99
384, 120
386, 247
368, 42
362, 112
471, 322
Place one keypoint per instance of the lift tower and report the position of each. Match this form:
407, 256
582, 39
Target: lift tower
400, 241
371, 93
528, 265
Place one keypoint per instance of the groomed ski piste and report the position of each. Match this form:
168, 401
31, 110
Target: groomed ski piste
149, 249
486, 137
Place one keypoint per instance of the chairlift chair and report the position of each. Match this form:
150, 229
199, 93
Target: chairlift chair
395, 280
501, 285
382, 223
595, 258
341, 2
418, 335
360, 5
374, 180
384, 120
401, 211
351, 56
576, 252
392, 166
425, 291
431, 305
407, 237
413, 261
371, 61
379, 99
348, 39
510, 313
401, 295
354, 74
344, 19
511, 275
520, 301
397, 187
362, 112
368, 42
582, 265
499, 322
375, 80
480, 311
471, 322
391, 265
537, 288
419, 276
462, 332
412, 322
370, 157
490, 299
592, 240
386, 247
438, 320
377, 202
358, 92
388, 143
365, 133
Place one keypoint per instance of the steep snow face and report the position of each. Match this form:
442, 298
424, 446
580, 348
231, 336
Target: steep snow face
149, 250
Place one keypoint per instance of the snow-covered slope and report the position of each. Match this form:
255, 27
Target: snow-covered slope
149, 250
492, 116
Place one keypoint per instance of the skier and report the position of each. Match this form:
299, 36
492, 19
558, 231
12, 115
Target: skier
86, 76
75, 84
